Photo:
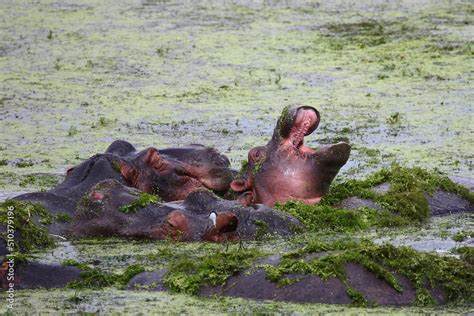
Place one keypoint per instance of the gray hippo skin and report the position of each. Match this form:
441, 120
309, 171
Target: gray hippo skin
99, 214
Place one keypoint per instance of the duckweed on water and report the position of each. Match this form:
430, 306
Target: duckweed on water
424, 270
94, 278
24, 217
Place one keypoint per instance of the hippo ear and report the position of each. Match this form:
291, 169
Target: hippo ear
246, 198
129, 173
69, 171
153, 159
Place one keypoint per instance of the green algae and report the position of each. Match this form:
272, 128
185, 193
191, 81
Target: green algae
404, 201
422, 269
129, 302
462, 236
144, 199
261, 230
186, 275
43, 181
406, 195
467, 254
65, 218
21, 217
322, 217
92, 278
159, 73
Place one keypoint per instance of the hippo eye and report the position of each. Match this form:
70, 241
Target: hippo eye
257, 154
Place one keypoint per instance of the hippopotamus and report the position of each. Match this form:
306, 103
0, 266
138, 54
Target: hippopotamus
202, 216
286, 169
112, 209
170, 173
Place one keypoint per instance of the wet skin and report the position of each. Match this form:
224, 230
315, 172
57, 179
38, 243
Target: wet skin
169, 173
175, 172
99, 213
285, 169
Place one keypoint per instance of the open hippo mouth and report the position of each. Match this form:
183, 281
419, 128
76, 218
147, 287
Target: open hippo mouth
286, 169
303, 121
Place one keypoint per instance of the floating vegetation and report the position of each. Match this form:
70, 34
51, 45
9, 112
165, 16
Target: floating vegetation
23, 218
424, 270
92, 278
144, 199
188, 275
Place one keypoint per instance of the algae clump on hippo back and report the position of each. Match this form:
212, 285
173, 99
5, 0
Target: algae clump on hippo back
404, 201
24, 224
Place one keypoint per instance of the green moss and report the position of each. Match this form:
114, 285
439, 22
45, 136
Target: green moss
116, 165
92, 278
65, 218
143, 200
454, 276
406, 195
3, 162
467, 254
21, 217
262, 229
188, 275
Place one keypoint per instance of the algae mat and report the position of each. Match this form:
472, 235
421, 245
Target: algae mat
393, 77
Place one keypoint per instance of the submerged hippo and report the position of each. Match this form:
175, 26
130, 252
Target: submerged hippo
111, 209
170, 174
285, 168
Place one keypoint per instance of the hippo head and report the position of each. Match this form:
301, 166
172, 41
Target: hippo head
101, 212
174, 173
285, 169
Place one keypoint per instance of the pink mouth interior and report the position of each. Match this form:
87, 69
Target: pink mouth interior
305, 121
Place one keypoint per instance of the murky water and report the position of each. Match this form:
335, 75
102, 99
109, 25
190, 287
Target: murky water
393, 77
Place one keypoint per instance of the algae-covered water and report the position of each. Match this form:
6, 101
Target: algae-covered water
392, 77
